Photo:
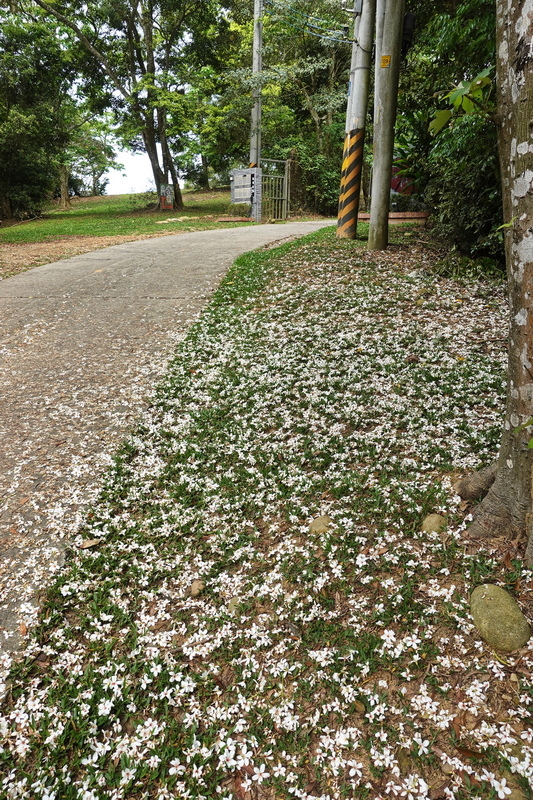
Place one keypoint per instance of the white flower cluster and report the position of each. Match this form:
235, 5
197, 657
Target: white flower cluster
310, 660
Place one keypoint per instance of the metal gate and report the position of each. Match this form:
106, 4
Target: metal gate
275, 183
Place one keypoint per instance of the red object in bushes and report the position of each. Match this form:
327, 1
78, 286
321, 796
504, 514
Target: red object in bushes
402, 184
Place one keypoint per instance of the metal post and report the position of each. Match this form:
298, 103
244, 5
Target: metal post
352, 164
255, 137
385, 102
286, 190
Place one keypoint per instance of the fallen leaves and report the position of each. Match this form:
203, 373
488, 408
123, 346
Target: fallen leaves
89, 543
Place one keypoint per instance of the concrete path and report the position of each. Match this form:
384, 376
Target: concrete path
82, 342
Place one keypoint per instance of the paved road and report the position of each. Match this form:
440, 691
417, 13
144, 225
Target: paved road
82, 342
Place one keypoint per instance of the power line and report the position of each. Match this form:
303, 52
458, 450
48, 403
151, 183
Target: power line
317, 35
295, 11
322, 35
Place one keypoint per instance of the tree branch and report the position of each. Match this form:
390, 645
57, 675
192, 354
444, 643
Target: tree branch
88, 45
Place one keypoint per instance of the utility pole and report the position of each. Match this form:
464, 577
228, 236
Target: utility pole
352, 163
390, 15
255, 133
381, 8
255, 136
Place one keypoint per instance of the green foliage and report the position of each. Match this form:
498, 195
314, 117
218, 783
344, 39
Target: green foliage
315, 178
90, 154
457, 172
145, 58
464, 187
28, 170
468, 97
467, 270
461, 36
304, 100
34, 74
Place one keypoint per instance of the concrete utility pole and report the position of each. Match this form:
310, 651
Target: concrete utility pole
255, 133
388, 53
381, 8
352, 163
255, 136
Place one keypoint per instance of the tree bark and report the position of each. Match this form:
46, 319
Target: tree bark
64, 173
178, 199
508, 505
150, 145
204, 175
475, 486
168, 162
5, 205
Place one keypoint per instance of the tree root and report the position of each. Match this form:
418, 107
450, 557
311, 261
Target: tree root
474, 486
491, 519
500, 513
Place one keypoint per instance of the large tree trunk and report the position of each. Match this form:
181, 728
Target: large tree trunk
6, 207
149, 140
168, 161
508, 505
64, 175
178, 199
203, 181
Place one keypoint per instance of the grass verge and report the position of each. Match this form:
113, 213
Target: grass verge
121, 215
251, 610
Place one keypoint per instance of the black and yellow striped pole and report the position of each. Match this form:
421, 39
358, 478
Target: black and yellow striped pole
352, 169
352, 162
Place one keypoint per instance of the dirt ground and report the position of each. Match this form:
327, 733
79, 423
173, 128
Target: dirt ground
19, 257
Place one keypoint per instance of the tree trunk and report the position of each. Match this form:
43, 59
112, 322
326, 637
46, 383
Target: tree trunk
508, 505
204, 175
5, 205
149, 140
64, 174
168, 161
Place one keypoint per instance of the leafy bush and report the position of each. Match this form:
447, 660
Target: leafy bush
407, 202
464, 188
239, 209
28, 170
467, 270
315, 177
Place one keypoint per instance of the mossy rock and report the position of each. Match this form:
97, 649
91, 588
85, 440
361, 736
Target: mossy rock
498, 618
434, 523
320, 524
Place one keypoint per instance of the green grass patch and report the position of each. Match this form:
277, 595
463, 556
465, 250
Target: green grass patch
121, 215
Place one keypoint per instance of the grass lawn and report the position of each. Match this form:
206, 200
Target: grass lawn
121, 215
251, 610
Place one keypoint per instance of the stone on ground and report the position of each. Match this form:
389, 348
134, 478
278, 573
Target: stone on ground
498, 618
320, 524
433, 523
197, 587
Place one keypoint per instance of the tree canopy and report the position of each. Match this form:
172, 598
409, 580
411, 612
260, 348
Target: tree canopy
35, 74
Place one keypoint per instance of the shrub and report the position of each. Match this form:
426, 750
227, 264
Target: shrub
464, 187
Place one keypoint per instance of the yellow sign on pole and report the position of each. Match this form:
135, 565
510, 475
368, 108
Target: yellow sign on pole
385, 61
